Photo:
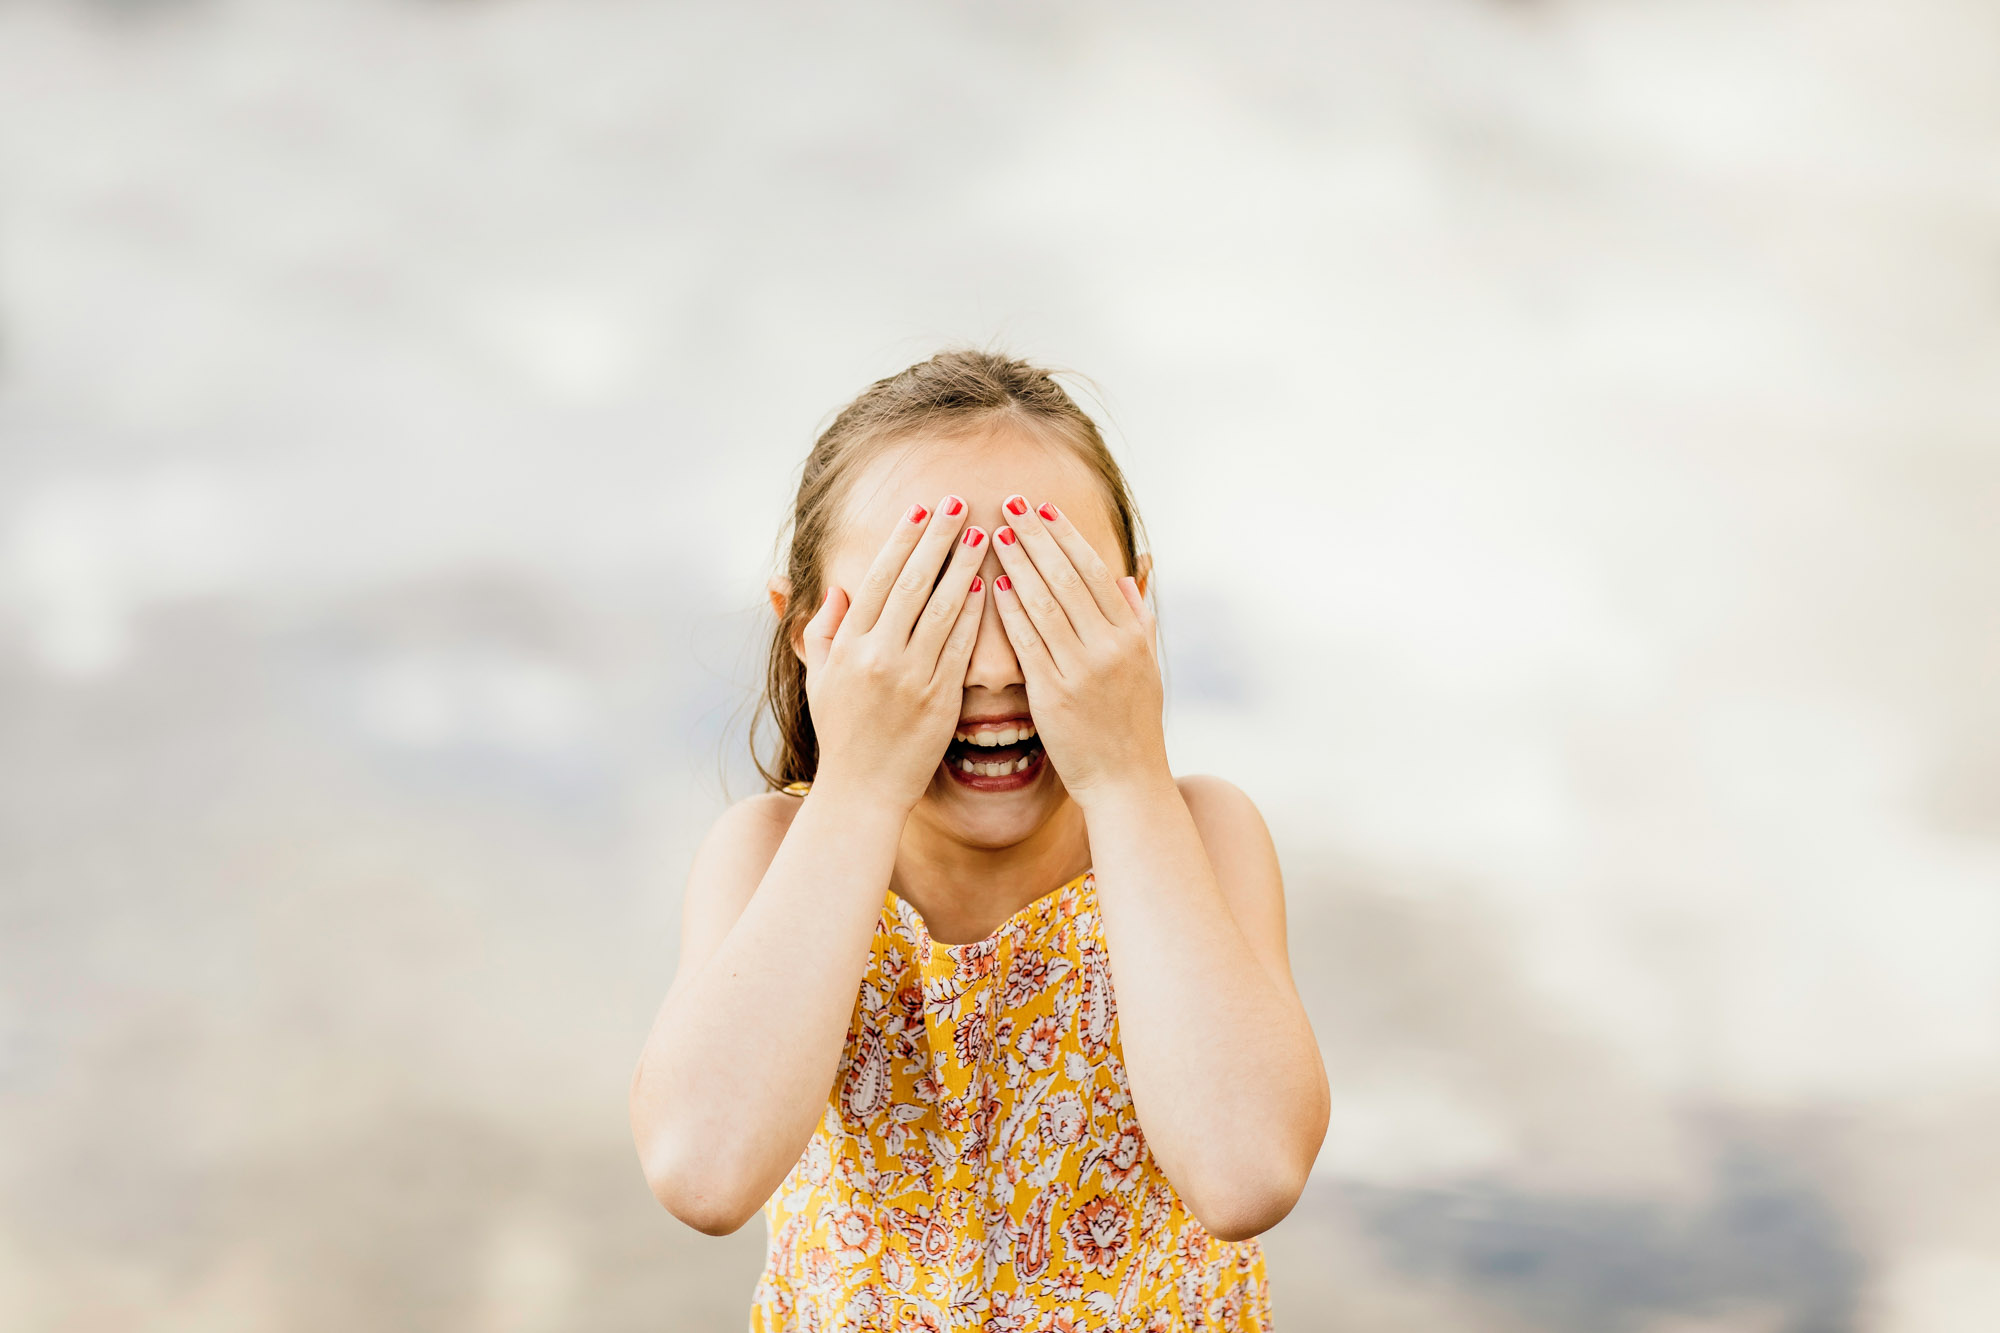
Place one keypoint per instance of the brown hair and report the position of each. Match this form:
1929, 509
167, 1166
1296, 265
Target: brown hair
951, 395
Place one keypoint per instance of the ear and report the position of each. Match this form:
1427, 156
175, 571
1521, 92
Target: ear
779, 590
1144, 571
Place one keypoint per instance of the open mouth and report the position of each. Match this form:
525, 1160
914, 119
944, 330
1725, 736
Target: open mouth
997, 754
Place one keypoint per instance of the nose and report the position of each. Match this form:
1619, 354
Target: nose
993, 665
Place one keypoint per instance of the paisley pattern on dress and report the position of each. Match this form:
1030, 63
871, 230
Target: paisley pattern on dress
979, 1165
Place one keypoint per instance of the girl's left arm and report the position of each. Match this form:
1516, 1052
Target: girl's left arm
1225, 1073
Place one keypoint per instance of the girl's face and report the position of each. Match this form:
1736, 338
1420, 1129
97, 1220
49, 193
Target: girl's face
984, 470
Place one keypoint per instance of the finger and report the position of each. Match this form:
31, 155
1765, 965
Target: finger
940, 613
913, 585
957, 654
1051, 622
1061, 577
817, 636
1029, 646
1089, 565
1128, 588
887, 568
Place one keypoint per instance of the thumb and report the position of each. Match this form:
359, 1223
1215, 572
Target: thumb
819, 631
1133, 597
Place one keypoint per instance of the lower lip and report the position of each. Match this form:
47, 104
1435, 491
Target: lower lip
1005, 782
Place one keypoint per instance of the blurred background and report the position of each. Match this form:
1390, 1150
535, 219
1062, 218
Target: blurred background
1570, 435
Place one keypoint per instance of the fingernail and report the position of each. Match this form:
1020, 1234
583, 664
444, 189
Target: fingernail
976, 584
1017, 504
1049, 513
973, 536
1005, 536
953, 506
917, 514
1004, 584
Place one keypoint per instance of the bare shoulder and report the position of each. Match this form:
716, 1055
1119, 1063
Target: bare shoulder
1245, 860
1219, 804
728, 867
765, 815
1231, 827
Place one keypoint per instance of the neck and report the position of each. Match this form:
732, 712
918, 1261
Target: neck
965, 893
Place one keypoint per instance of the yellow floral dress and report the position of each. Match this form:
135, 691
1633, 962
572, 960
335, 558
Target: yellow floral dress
978, 1164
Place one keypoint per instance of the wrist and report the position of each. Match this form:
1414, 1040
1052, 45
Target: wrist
1139, 788
858, 796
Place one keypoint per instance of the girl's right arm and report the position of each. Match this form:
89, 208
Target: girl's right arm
783, 897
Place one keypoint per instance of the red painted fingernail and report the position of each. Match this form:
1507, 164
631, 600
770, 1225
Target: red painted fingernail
973, 536
1004, 584
976, 584
953, 506
1005, 536
1017, 504
917, 514
1048, 513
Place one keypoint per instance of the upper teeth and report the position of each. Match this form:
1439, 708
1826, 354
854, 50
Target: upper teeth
1005, 735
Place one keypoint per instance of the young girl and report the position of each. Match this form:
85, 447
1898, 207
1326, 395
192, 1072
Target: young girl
987, 1011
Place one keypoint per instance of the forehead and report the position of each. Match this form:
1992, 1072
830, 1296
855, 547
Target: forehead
984, 468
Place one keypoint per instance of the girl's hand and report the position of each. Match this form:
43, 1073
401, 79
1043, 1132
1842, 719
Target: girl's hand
1086, 644
885, 669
